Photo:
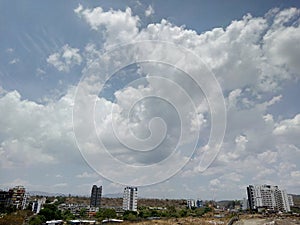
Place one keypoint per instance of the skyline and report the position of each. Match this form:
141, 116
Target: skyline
50, 52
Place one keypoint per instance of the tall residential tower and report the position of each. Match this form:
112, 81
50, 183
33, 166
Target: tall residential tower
96, 195
268, 197
130, 199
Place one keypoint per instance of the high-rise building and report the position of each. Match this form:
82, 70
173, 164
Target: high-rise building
18, 198
269, 197
96, 195
5, 199
130, 198
291, 200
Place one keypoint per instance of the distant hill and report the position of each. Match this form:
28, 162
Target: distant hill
46, 194
114, 195
148, 202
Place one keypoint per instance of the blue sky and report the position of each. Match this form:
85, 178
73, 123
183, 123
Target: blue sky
50, 51
35, 29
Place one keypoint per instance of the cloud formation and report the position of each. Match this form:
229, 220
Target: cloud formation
253, 59
65, 59
149, 11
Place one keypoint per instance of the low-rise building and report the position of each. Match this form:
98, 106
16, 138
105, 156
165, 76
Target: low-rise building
192, 203
82, 222
55, 222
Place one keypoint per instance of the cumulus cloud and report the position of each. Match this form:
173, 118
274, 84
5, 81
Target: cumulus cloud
65, 59
149, 11
288, 125
116, 25
252, 58
34, 133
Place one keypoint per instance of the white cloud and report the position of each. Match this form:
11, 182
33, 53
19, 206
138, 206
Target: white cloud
284, 16
2, 91
233, 97
240, 56
65, 59
40, 72
60, 185
149, 11
14, 61
87, 175
252, 58
295, 174
10, 50
34, 133
116, 26
268, 157
288, 126
215, 182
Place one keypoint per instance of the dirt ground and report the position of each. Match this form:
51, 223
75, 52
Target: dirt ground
268, 221
181, 221
214, 221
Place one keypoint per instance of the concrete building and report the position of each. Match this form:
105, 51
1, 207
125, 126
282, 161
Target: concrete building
199, 203
96, 195
19, 198
130, 199
268, 197
291, 200
192, 203
5, 199
37, 205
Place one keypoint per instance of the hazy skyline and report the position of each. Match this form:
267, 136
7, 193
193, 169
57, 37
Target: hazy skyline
49, 50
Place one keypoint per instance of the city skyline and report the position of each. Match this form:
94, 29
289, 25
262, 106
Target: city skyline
54, 56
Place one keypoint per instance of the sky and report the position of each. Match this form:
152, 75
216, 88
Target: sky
193, 99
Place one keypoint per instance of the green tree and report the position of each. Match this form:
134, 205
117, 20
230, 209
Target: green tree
67, 215
130, 215
109, 213
36, 220
60, 200
171, 211
50, 212
82, 213
154, 213
183, 213
144, 213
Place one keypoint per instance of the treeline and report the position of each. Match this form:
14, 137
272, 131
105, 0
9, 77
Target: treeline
51, 211
171, 212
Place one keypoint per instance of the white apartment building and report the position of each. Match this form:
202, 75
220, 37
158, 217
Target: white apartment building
37, 204
194, 203
269, 197
130, 198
